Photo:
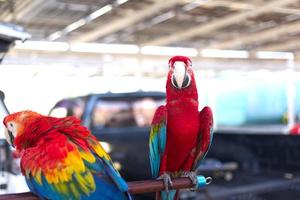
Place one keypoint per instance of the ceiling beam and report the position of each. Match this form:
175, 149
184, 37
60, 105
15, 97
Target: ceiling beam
297, 57
249, 6
290, 11
32, 10
9, 15
218, 23
126, 21
25, 10
292, 45
261, 36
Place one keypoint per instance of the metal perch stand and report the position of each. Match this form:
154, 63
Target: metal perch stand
135, 187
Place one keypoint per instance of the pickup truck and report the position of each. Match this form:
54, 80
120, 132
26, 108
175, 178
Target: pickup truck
254, 162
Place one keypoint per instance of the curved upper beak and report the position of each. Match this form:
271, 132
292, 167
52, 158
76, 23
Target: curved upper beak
9, 137
180, 78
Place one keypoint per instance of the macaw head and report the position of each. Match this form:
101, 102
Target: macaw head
181, 77
180, 72
17, 123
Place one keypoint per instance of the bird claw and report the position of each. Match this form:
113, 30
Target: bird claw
193, 177
167, 180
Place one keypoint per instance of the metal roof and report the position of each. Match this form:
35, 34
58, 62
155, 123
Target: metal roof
272, 25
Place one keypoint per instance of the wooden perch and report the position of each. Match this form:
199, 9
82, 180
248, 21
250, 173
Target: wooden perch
135, 187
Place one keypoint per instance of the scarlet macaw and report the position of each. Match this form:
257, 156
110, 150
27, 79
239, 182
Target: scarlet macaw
62, 160
180, 135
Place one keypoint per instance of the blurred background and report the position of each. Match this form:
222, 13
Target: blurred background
106, 61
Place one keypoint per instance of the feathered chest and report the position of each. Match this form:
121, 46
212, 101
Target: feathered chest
183, 117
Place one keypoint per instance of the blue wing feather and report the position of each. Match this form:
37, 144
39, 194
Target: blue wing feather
162, 138
168, 195
44, 191
106, 190
115, 176
157, 140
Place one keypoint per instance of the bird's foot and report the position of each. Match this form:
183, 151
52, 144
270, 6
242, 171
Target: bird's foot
193, 177
167, 180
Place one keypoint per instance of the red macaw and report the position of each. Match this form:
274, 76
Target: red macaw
62, 160
180, 135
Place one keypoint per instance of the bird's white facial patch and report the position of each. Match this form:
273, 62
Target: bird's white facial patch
179, 72
7, 136
10, 132
12, 128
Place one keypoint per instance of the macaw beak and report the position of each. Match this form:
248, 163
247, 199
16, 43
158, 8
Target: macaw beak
9, 137
180, 78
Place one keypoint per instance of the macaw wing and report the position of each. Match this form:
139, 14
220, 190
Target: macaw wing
71, 164
157, 140
83, 138
56, 170
205, 135
71, 127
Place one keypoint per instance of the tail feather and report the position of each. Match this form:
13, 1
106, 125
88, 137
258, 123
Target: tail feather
128, 196
171, 195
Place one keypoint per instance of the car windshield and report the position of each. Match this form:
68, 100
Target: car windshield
125, 113
68, 107
3, 113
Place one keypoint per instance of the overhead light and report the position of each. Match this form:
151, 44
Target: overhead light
192, 4
120, 2
162, 18
55, 35
74, 26
99, 13
43, 46
168, 51
104, 48
274, 55
218, 53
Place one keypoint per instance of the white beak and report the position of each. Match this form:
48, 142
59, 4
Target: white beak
179, 73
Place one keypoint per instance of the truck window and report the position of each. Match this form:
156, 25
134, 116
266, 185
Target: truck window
68, 107
125, 113
113, 114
